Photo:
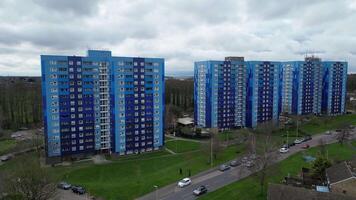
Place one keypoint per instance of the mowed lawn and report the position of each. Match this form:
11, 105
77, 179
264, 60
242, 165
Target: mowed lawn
276, 173
322, 124
6, 145
180, 146
131, 178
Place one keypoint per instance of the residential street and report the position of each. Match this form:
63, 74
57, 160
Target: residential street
215, 179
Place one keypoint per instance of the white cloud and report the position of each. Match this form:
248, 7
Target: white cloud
179, 31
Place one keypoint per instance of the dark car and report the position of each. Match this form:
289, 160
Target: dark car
64, 185
235, 163
200, 190
78, 189
291, 144
224, 167
307, 138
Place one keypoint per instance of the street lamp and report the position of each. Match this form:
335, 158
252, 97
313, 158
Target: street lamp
156, 187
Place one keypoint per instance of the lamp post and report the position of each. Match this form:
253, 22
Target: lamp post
156, 187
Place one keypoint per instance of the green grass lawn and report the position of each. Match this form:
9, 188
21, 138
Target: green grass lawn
6, 145
249, 187
133, 177
322, 124
180, 146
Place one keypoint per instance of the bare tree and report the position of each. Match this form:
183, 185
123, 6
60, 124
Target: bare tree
343, 133
322, 147
265, 150
30, 182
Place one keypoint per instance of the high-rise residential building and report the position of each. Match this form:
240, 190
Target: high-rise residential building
309, 87
219, 93
302, 86
263, 91
238, 93
102, 103
334, 87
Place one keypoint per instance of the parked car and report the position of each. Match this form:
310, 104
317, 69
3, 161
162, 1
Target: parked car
224, 167
184, 182
291, 144
244, 159
283, 150
78, 189
64, 185
249, 164
305, 146
307, 138
235, 163
200, 190
253, 157
328, 133
5, 158
298, 141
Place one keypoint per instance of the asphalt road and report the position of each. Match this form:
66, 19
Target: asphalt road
215, 179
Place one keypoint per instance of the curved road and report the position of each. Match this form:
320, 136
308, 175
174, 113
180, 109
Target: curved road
215, 179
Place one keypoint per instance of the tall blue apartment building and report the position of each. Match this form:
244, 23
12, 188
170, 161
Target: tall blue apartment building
102, 103
314, 87
263, 89
219, 93
238, 93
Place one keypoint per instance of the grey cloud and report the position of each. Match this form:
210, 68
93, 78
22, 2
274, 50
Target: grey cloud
180, 31
76, 7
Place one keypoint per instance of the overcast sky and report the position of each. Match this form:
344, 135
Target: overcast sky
181, 31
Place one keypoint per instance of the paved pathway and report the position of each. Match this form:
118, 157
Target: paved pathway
215, 179
185, 139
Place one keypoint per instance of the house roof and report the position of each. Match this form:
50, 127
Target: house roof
338, 172
285, 192
186, 121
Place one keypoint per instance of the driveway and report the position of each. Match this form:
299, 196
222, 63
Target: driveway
215, 179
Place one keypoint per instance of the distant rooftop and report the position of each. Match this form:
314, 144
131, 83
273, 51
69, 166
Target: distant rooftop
234, 58
285, 192
339, 172
186, 121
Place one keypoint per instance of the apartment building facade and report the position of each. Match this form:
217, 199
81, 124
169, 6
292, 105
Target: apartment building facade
313, 87
102, 103
238, 93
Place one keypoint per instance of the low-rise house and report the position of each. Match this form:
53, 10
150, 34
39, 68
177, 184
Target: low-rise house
185, 121
342, 178
286, 192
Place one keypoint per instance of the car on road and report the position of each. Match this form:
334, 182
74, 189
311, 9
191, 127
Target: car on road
200, 190
328, 133
224, 167
283, 150
298, 141
184, 182
249, 164
5, 158
78, 189
64, 185
235, 163
305, 146
307, 138
291, 144
253, 157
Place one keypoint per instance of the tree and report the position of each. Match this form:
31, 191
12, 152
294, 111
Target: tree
216, 146
344, 132
265, 150
198, 132
212, 148
319, 167
30, 182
